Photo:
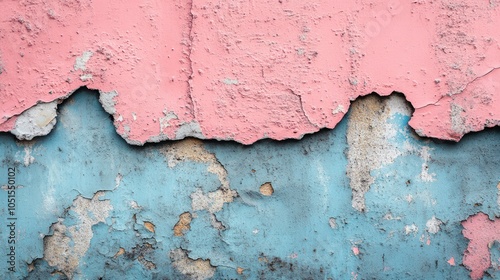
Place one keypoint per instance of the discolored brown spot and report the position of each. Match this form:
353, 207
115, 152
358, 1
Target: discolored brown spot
183, 225
119, 253
149, 226
267, 189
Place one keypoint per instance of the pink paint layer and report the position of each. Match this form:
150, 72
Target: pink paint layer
480, 231
247, 70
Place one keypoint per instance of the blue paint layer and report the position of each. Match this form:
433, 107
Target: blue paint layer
306, 229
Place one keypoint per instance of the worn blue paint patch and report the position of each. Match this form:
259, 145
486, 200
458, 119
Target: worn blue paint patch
111, 208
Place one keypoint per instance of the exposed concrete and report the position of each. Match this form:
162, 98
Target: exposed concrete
69, 243
424, 173
411, 229
193, 269
81, 61
193, 150
190, 129
332, 222
369, 137
212, 201
36, 121
149, 226
108, 102
307, 224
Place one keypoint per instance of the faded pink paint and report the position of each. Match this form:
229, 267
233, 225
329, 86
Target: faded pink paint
247, 70
481, 232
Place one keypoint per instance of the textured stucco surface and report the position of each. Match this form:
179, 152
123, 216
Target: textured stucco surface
91, 206
248, 70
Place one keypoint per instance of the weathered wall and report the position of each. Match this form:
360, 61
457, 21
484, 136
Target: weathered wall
247, 70
368, 199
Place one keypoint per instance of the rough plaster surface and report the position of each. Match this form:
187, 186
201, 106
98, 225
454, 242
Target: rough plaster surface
106, 209
68, 244
194, 269
247, 70
370, 137
36, 121
213, 201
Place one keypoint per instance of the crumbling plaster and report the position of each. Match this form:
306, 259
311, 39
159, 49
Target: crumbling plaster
195, 209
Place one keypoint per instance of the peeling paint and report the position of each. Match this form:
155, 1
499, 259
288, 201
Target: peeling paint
194, 269
190, 129
482, 233
69, 243
183, 225
306, 229
369, 137
249, 71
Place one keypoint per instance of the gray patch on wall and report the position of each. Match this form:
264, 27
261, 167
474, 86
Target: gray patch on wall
69, 243
107, 101
190, 129
81, 61
36, 121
